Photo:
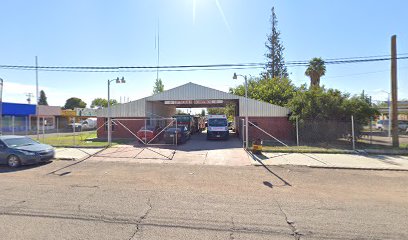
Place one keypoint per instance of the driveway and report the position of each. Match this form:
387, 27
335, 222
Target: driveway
196, 151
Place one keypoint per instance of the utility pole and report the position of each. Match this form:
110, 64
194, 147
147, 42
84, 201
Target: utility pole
37, 98
29, 96
394, 90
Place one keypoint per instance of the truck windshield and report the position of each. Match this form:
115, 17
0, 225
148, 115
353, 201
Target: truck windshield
217, 122
183, 119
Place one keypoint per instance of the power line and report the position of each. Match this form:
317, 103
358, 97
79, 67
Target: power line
181, 68
363, 73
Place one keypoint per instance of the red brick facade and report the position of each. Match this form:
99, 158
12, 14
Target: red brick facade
279, 127
118, 131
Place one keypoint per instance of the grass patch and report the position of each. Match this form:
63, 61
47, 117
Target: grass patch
303, 149
81, 139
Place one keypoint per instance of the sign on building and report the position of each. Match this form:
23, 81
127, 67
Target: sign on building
192, 102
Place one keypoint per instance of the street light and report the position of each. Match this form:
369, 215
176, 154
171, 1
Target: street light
118, 80
235, 77
389, 112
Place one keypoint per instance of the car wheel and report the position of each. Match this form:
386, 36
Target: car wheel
13, 161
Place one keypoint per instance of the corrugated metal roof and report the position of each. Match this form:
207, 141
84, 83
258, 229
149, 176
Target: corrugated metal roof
131, 109
192, 91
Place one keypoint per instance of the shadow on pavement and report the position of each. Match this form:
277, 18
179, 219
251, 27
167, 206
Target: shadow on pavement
7, 169
256, 158
198, 142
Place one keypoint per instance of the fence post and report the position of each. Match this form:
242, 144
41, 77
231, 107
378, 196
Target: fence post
12, 124
297, 131
145, 129
243, 133
73, 130
352, 132
371, 130
176, 132
43, 128
26, 125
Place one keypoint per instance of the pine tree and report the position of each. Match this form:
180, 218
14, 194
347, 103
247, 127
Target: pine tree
275, 66
158, 86
43, 99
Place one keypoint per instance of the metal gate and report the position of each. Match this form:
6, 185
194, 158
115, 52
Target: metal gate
152, 134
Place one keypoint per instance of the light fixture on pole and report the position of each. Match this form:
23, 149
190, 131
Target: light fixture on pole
235, 77
118, 80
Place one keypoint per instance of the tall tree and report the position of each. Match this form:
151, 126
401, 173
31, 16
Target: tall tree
216, 111
158, 86
202, 112
272, 90
275, 66
43, 98
315, 71
74, 102
102, 103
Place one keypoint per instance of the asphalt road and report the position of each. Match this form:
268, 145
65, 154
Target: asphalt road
108, 200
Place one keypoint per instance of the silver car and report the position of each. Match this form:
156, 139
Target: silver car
19, 150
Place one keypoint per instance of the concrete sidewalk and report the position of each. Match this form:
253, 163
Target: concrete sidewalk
345, 161
75, 153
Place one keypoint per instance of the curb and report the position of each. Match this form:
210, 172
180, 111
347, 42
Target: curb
356, 152
66, 159
91, 147
356, 168
79, 159
339, 168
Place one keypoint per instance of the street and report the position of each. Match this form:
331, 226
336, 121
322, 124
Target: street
107, 200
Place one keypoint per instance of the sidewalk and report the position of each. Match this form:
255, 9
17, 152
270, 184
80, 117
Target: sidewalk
75, 153
341, 161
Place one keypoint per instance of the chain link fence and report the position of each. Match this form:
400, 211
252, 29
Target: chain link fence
58, 132
331, 135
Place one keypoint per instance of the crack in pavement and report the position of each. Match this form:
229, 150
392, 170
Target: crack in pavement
290, 223
231, 236
139, 221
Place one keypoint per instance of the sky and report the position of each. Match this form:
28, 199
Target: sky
193, 32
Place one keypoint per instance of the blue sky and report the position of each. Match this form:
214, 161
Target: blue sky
122, 33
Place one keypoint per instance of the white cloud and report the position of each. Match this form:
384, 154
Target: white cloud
17, 88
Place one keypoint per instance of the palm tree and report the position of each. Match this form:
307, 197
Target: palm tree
315, 70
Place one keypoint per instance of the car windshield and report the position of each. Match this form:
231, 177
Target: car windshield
217, 122
18, 142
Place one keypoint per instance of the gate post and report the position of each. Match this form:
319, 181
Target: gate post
297, 131
352, 132
243, 133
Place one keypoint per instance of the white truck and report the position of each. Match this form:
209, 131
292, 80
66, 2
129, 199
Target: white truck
217, 127
89, 123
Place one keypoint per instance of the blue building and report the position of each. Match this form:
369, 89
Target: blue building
16, 117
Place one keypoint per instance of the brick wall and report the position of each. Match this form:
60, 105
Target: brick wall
119, 131
279, 127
